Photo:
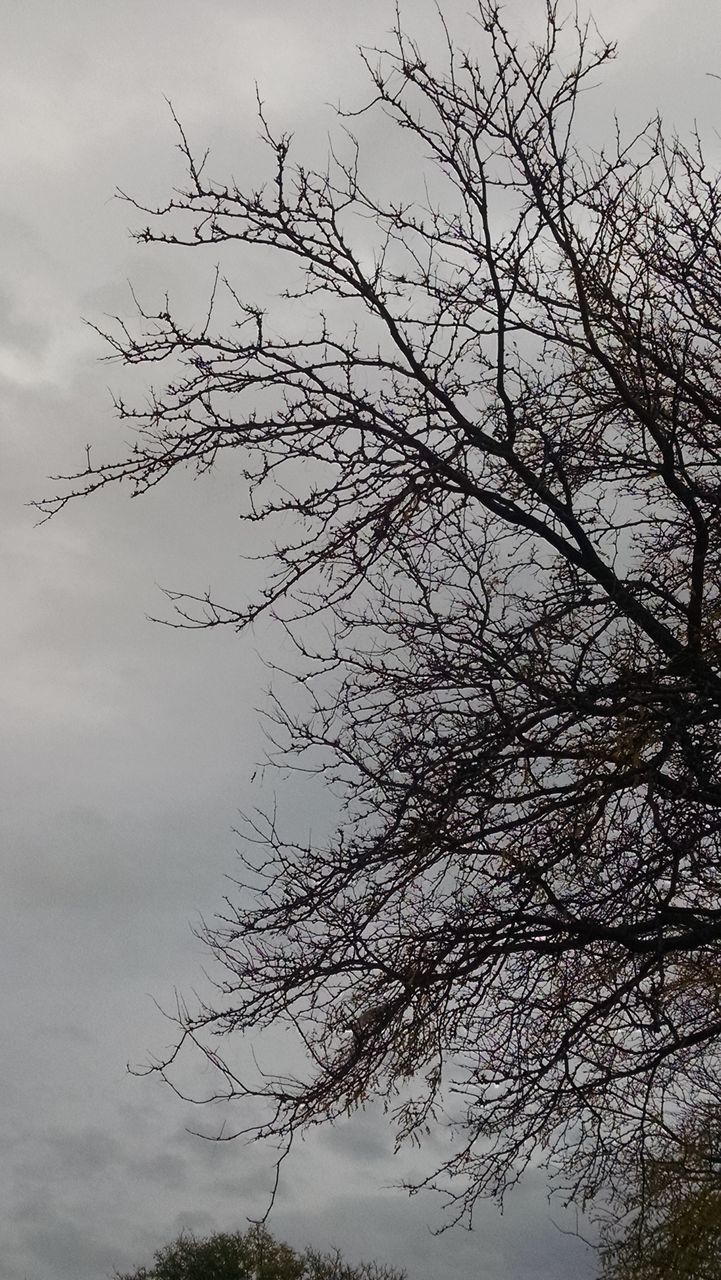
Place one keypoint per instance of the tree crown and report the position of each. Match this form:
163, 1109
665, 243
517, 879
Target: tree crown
250, 1255
495, 444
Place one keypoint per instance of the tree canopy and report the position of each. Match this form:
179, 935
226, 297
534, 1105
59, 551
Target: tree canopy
250, 1255
481, 427
673, 1204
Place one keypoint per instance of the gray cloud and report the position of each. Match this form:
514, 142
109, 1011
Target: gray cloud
64, 1248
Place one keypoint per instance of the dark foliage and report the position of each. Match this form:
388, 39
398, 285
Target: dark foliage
250, 1255
673, 1224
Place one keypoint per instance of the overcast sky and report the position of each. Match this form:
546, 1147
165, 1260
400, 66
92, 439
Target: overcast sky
127, 747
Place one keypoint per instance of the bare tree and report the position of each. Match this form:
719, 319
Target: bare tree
494, 434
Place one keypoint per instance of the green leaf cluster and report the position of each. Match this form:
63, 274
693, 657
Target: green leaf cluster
674, 1230
250, 1255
